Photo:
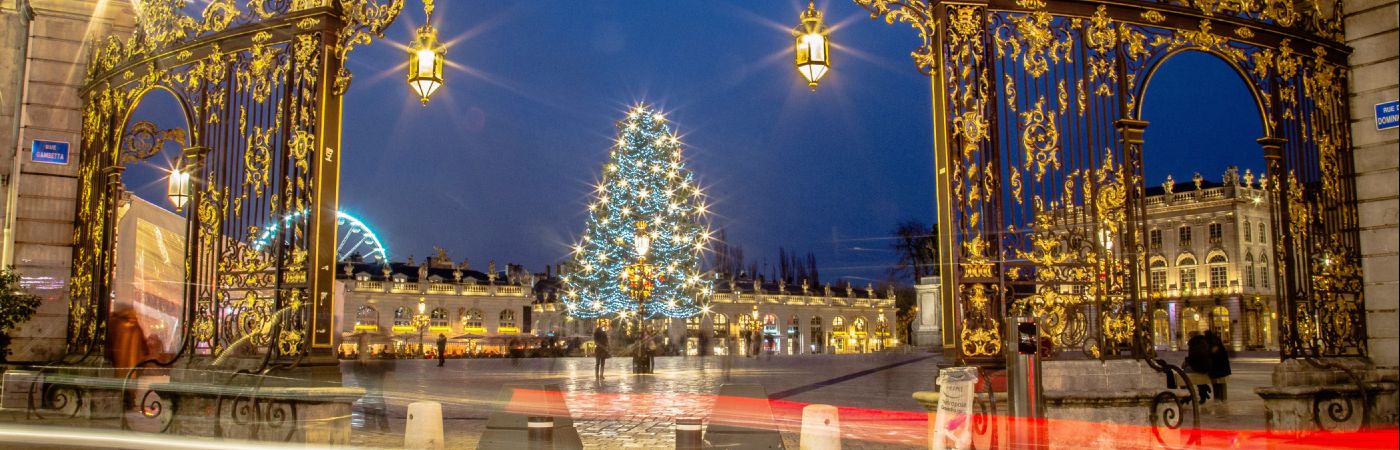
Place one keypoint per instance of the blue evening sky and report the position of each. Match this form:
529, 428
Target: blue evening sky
500, 164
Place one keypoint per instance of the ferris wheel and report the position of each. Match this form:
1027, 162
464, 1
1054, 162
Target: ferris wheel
352, 237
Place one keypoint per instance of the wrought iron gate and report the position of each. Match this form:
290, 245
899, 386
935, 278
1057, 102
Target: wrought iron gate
1038, 146
260, 83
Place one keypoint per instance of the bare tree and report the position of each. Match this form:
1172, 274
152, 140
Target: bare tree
917, 245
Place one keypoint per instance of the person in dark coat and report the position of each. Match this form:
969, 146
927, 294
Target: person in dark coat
1198, 364
442, 349
1219, 365
600, 351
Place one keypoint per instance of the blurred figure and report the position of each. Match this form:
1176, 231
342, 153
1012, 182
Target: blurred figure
1198, 364
515, 350
728, 362
369, 374
600, 351
1219, 365
442, 349
126, 342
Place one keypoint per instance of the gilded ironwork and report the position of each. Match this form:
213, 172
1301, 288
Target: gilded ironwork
1047, 215
260, 82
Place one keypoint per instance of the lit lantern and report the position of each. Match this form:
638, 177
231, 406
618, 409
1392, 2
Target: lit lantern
813, 50
178, 187
641, 242
425, 59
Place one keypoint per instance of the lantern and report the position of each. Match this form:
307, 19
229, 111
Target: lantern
425, 59
178, 187
812, 48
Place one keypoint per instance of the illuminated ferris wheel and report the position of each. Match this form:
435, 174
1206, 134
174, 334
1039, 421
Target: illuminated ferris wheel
352, 237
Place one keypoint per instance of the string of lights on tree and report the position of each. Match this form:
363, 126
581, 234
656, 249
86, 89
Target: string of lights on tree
645, 238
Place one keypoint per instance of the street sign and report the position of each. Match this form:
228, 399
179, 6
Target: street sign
1387, 115
49, 152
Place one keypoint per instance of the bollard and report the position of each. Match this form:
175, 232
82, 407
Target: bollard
541, 432
821, 428
688, 433
424, 427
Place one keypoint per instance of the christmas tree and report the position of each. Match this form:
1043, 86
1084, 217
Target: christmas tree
642, 248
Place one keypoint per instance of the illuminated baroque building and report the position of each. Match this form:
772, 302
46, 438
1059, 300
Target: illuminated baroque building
1210, 260
800, 319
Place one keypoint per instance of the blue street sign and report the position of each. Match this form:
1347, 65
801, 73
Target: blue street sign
50, 152
1387, 115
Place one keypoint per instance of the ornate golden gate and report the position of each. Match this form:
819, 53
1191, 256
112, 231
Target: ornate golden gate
1038, 144
260, 84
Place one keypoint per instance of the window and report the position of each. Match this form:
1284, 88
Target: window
471, 321
1263, 233
1263, 273
1248, 269
720, 324
1157, 277
507, 319
1155, 237
1183, 236
1216, 233
367, 315
1217, 276
1248, 232
401, 316
816, 337
1187, 277
692, 324
438, 318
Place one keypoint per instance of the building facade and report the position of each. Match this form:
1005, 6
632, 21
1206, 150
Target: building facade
1210, 260
746, 316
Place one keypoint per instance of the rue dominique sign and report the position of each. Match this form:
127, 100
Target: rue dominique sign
49, 152
1387, 115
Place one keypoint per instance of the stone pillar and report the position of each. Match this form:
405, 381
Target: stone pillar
928, 329
1371, 31
43, 51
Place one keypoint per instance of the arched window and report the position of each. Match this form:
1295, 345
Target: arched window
1161, 329
472, 321
1263, 233
401, 317
367, 316
1248, 232
1218, 273
720, 324
1191, 323
838, 325
1263, 272
770, 324
1186, 272
438, 318
1157, 275
1220, 322
507, 320
692, 324
1249, 269
859, 326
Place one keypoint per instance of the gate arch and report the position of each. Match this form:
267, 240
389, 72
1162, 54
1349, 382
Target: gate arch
1038, 147
1151, 72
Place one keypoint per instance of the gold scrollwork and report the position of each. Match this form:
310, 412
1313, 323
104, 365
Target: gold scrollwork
1040, 140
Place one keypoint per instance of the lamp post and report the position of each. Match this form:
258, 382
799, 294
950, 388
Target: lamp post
426, 57
420, 321
813, 50
639, 285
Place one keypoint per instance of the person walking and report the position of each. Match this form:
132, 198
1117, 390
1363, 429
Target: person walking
600, 351
1219, 365
442, 349
1198, 364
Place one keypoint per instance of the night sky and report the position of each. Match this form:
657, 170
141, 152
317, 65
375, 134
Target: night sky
500, 165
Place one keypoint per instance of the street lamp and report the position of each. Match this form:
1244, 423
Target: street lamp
638, 282
420, 321
178, 186
812, 48
425, 58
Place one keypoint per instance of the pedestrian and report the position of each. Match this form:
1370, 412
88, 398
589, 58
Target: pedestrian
1219, 365
1198, 364
441, 349
728, 361
600, 351
369, 375
514, 349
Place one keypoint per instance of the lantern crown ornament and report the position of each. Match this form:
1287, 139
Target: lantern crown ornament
813, 49
425, 58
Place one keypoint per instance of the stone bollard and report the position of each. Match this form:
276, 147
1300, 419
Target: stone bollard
424, 427
688, 433
821, 428
541, 432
